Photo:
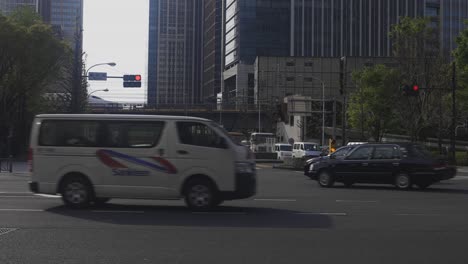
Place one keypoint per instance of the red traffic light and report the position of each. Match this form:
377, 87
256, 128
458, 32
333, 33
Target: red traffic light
416, 88
137, 78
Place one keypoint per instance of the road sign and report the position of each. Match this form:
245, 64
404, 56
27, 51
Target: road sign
97, 76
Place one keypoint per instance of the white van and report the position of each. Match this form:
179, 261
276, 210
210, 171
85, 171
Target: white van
306, 150
283, 151
91, 158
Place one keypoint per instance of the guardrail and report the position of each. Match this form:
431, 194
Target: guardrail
6, 165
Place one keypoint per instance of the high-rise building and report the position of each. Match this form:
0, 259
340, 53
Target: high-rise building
323, 29
332, 28
175, 52
8, 6
212, 48
65, 16
252, 28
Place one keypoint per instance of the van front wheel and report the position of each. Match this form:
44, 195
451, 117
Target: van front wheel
201, 195
77, 192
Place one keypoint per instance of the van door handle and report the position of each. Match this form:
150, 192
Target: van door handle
161, 152
182, 152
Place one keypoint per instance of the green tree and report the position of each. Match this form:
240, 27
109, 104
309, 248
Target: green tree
31, 59
461, 58
416, 50
371, 107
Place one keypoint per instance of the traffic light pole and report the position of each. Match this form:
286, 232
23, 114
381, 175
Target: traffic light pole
454, 112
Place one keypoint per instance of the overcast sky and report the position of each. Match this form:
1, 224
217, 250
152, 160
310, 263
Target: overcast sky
117, 31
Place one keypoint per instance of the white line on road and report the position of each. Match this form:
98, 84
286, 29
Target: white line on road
460, 178
335, 214
355, 201
16, 196
108, 211
275, 200
21, 210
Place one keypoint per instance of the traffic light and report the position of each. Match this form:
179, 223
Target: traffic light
331, 146
133, 80
411, 90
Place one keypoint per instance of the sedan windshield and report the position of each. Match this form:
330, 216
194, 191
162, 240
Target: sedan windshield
311, 147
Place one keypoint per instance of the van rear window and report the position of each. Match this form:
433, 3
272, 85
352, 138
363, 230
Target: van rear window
113, 134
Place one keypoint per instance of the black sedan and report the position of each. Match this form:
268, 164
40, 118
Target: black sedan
401, 164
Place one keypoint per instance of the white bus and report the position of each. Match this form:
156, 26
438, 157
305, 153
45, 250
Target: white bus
92, 158
262, 142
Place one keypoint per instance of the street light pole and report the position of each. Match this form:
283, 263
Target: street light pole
102, 90
112, 64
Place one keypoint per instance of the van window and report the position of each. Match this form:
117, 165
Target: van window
302, 147
133, 134
82, 133
285, 148
197, 134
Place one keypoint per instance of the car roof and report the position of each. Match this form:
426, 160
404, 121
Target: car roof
118, 116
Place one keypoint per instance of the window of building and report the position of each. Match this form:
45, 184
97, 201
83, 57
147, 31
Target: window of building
308, 64
289, 79
290, 63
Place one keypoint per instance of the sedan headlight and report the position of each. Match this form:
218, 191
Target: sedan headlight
245, 167
311, 167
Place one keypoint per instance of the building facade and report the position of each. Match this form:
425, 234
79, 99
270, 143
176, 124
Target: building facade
252, 28
65, 16
212, 48
8, 6
323, 29
332, 28
175, 54
278, 77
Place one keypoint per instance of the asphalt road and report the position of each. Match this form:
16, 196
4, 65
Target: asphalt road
291, 220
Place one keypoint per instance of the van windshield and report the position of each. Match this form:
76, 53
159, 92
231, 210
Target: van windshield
285, 148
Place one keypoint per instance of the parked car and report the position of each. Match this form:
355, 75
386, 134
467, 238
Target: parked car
283, 151
306, 150
401, 164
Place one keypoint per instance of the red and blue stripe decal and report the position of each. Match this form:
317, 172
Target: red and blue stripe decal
108, 158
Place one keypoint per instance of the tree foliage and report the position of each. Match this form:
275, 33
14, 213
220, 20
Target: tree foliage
31, 59
416, 49
371, 108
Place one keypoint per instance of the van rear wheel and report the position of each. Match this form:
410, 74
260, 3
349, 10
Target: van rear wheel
76, 192
201, 195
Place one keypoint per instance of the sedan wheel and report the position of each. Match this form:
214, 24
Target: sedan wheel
325, 179
403, 181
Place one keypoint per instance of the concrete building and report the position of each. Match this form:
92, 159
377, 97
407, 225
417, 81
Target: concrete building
65, 16
278, 77
175, 54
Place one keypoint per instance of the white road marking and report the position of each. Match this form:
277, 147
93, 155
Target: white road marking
109, 211
355, 201
275, 200
21, 210
16, 196
335, 214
